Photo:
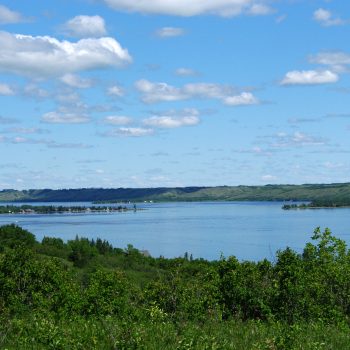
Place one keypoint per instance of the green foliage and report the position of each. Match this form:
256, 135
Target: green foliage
85, 294
186, 299
53, 247
103, 246
12, 236
108, 293
28, 282
245, 289
82, 251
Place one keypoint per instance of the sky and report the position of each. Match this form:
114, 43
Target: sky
163, 93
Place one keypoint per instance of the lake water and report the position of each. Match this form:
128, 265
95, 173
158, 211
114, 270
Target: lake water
247, 230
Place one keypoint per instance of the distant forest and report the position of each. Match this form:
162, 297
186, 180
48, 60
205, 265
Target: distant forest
327, 193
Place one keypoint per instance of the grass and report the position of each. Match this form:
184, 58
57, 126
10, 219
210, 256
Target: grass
44, 332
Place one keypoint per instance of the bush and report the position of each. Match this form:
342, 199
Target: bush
12, 236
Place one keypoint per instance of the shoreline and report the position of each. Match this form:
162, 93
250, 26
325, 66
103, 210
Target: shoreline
50, 209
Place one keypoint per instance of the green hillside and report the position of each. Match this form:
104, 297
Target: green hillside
308, 192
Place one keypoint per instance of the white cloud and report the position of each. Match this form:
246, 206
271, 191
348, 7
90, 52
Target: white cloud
27, 131
115, 90
208, 90
157, 92
331, 165
69, 98
326, 18
169, 32
301, 138
281, 19
268, 177
117, 120
244, 99
169, 122
225, 8
6, 90
331, 58
298, 139
161, 92
64, 118
132, 132
54, 144
85, 27
19, 140
309, 77
75, 81
185, 72
44, 56
8, 16
336, 60
173, 118
260, 10
33, 90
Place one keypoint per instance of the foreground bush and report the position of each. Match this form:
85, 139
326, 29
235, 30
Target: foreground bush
86, 295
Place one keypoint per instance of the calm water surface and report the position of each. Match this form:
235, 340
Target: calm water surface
248, 230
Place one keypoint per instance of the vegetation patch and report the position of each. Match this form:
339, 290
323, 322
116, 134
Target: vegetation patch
87, 294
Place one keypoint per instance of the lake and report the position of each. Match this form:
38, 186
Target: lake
247, 230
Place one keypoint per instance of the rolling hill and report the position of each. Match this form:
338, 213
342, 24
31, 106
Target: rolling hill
306, 192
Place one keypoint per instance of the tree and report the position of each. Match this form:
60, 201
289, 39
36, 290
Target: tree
12, 236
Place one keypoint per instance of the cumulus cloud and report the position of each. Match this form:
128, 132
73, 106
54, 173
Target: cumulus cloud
309, 77
225, 8
209, 90
171, 122
75, 81
157, 92
185, 72
85, 27
244, 99
326, 18
6, 90
169, 32
129, 132
173, 119
35, 91
117, 120
69, 99
163, 92
115, 90
64, 118
8, 16
260, 10
337, 60
331, 58
44, 56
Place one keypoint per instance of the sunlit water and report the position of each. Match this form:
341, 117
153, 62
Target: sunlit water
248, 230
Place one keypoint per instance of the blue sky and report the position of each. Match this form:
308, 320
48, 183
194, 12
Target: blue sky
120, 93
